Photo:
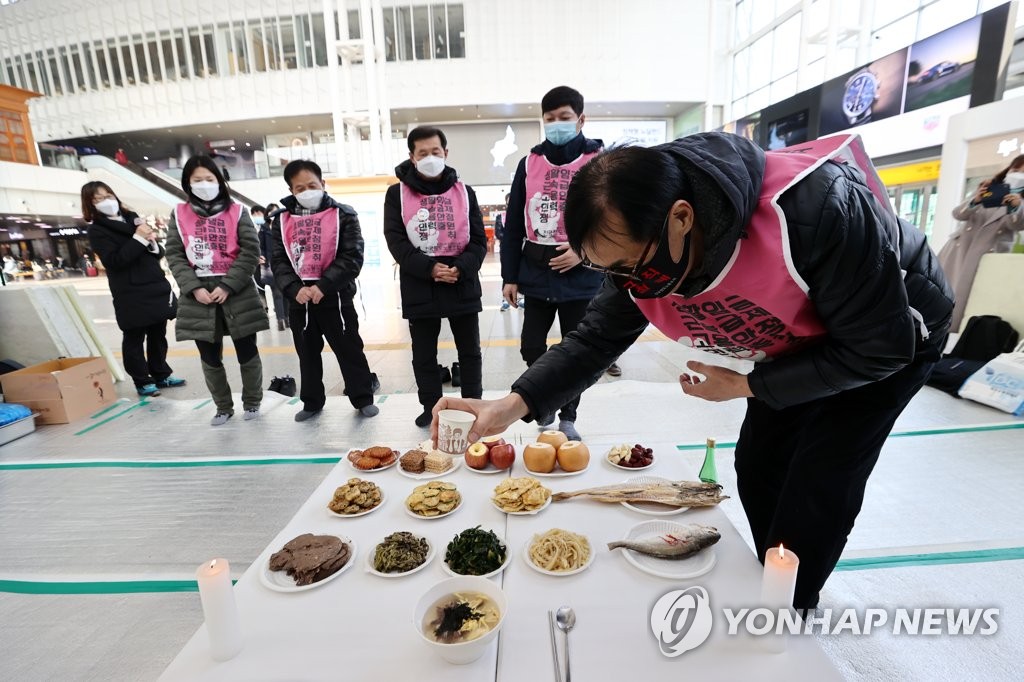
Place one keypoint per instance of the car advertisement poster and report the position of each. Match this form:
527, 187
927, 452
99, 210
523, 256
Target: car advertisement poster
867, 94
941, 67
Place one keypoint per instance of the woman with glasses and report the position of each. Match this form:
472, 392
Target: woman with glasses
143, 301
792, 257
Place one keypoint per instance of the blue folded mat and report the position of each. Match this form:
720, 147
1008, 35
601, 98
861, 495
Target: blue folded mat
12, 412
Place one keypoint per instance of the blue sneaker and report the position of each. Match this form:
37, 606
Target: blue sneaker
504, 306
148, 391
170, 382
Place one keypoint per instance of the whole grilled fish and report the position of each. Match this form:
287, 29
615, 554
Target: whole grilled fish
679, 545
672, 493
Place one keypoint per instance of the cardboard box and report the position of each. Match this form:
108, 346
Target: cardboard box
61, 391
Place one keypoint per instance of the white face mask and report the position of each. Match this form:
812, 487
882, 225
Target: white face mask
430, 166
310, 198
108, 207
1015, 179
207, 191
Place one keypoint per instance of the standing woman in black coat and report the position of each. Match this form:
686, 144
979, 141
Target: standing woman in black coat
143, 301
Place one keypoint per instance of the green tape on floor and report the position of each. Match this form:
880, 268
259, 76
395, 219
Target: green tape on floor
112, 418
102, 412
142, 464
293, 401
977, 556
895, 434
203, 404
99, 587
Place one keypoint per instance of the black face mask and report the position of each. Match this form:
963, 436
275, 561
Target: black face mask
661, 275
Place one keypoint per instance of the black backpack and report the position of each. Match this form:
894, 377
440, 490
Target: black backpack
984, 337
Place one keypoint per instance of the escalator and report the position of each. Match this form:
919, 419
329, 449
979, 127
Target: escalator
151, 191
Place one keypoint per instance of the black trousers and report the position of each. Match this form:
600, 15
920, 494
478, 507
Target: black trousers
538, 316
801, 471
144, 351
339, 324
424, 333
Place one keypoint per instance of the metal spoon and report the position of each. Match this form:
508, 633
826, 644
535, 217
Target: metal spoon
565, 618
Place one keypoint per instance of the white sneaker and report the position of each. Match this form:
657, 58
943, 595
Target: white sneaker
251, 413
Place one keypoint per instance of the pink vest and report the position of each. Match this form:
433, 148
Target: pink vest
311, 242
758, 308
546, 187
211, 244
437, 224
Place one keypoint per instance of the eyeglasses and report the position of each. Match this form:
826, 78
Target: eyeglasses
623, 272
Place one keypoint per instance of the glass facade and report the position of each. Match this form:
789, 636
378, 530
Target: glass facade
244, 44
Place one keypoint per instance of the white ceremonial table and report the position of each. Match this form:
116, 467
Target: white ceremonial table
359, 626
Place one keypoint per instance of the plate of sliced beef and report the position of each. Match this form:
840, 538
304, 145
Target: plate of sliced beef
308, 561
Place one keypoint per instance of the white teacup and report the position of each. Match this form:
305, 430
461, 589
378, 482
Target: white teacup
453, 431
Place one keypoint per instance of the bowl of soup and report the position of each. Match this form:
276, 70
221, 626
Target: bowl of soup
460, 617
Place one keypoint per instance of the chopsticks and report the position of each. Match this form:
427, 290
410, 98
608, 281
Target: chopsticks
554, 646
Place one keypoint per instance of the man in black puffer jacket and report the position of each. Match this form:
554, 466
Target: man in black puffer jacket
435, 232
317, 256
792, 257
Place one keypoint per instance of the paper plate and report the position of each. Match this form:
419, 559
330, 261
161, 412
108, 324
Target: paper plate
559, 574
427, 475
413, 514
499, 569
674, 569
280, 581
622, 468
652, 508
431, 550
490, 469
558, 473
380, 504
353, 467
547, 503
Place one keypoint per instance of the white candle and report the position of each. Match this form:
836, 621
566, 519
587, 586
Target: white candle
778, 583
219, 609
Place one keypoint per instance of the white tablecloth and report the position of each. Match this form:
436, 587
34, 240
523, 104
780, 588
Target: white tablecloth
359, 626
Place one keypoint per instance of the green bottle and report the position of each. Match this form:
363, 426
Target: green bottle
708, 473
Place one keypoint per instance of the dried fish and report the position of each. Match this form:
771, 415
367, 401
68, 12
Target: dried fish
671, 493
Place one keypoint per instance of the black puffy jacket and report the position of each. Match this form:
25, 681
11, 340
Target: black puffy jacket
531, 270
422, 297
842, 245
140, 289
340, 276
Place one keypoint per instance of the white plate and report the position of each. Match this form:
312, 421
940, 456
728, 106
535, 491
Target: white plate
559, 574
427, 475
353, 467
490, 469
413, 514
431, 550
499, 569
531, 512
652, 508
280, 581
675, 569
558, 473
620, 468
358, 514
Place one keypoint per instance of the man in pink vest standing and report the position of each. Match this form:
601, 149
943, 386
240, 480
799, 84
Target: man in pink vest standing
536, 260
792, 259
317, 256
435, 232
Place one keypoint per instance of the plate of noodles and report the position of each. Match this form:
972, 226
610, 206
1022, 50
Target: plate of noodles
558, 552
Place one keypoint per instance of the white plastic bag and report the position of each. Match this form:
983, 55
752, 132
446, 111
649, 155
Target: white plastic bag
999, 384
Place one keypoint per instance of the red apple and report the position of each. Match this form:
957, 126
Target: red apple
476, 456
503, 455
491, 441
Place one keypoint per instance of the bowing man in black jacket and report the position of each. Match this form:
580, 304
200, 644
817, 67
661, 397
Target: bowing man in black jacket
792, 256
435, 232
143, 301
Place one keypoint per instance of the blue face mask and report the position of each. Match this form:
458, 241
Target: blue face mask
560, 132
257, 220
